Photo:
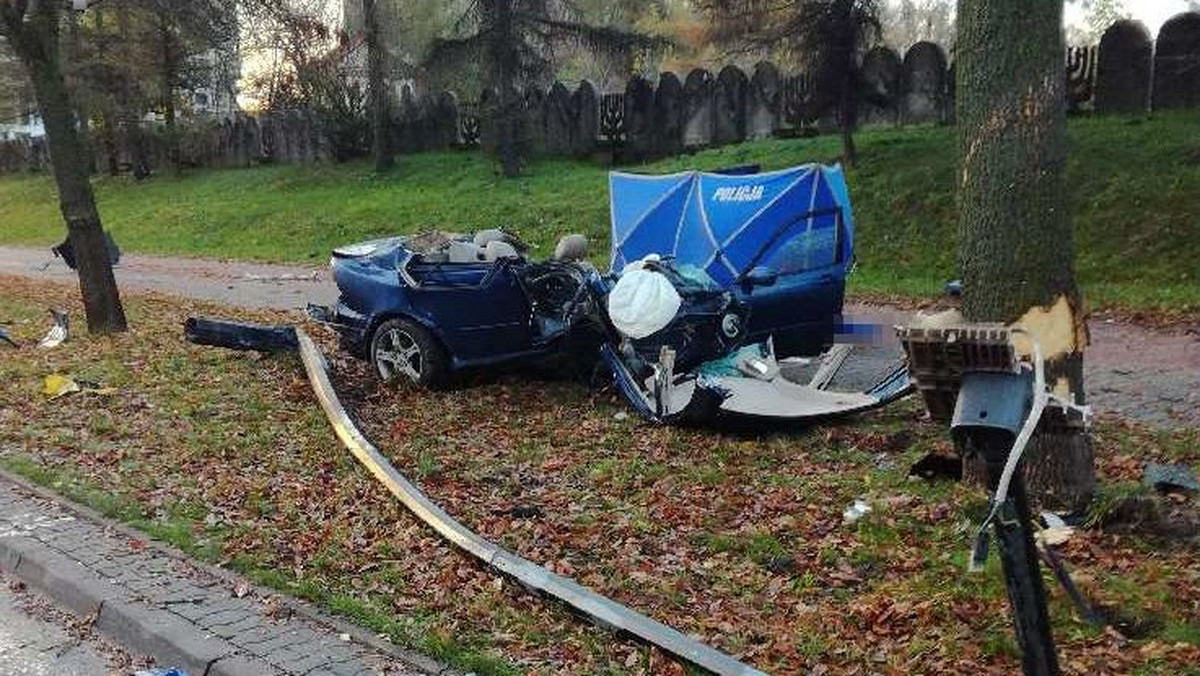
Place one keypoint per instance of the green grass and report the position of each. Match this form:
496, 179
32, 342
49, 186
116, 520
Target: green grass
1134, 190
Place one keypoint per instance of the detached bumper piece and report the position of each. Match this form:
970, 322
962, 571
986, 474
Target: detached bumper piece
752, 389
240, 336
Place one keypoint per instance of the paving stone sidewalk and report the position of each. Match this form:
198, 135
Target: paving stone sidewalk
186, 614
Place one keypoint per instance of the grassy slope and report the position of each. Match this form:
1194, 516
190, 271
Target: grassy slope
1135, 197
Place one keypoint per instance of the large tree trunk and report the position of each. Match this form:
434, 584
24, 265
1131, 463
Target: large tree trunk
377, 95
1017, 252
847, 121
503, 62
37, 46
844, 53
167, 79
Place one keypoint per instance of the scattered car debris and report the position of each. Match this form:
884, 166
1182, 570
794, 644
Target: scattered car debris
239, 335
66, 251
937, 466
1173, 478
525, 512
1052, 520
59, 333
855, 511
1054, 535
753, 389
57, 385
7, 339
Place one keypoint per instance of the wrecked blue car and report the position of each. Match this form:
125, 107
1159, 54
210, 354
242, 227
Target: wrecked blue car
423, 307
702, 267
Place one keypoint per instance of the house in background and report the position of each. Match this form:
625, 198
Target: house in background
18, 114
400, 67
214, 91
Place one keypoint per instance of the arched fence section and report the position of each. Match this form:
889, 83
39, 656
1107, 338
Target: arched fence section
1126, 73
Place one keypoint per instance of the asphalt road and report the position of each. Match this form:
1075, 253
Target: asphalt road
1149, 375
36, 639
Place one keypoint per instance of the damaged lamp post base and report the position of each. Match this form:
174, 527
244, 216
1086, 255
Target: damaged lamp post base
995, 400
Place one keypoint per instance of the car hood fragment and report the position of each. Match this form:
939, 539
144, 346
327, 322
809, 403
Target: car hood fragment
755, 388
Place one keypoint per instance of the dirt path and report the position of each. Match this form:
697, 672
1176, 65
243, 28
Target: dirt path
252, 285
1150, 375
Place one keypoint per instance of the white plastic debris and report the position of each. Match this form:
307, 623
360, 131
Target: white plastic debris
59, 333
642, 303
1054, 536
855, 512
1053, 520
1056, 531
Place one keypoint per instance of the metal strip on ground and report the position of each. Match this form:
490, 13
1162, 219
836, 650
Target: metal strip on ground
598, 608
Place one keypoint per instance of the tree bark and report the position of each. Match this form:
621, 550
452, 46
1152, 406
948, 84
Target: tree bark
503, 63
1017, 253
168, 76
377, 95
847, 121
36, 42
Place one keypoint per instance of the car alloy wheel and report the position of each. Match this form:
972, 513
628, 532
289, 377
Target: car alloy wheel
396, 353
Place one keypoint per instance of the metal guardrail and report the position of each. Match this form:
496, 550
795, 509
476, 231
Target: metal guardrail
599, 609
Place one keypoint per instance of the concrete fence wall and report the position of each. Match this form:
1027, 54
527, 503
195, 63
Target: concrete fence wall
1125, 73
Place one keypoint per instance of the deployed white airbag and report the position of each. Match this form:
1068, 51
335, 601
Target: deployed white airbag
642, 303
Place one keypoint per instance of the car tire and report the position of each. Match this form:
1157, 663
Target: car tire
401, 348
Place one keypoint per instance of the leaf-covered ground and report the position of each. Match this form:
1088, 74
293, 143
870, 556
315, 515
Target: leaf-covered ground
734, 537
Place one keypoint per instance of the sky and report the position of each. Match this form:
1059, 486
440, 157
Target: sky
1153, 13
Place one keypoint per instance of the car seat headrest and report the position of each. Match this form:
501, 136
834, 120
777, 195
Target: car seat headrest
571, 248
497, 249
485, 237
464, 252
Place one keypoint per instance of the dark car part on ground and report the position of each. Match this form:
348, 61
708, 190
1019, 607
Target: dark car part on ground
600, 610
7, 339
1171, 478
239, 335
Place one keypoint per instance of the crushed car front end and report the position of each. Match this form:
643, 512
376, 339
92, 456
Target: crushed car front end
366, 275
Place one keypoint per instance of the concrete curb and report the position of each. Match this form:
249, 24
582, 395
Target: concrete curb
160, 634
142, 630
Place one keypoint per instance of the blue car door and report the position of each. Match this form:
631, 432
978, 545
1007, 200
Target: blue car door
478, 309
801, 308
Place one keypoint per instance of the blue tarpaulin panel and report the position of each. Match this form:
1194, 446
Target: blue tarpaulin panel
727, 224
